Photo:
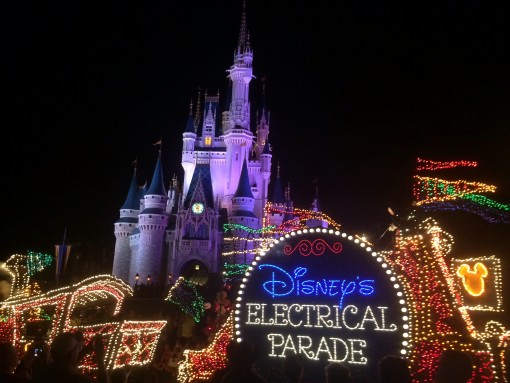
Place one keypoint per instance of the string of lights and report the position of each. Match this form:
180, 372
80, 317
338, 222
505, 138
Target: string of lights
186, 296
428, 165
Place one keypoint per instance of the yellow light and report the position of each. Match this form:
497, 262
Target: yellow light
473, 281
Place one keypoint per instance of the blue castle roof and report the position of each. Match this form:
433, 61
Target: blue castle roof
278, 196
244, 188
201, 174
190, 127
158, 184
132, 201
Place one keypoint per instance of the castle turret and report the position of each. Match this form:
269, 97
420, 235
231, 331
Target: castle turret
225, 115
189, 138
316, 208
262, 123
173, 196
243, 204
238, 137
209, 126
278, 204
241, 73
152, 221
289, 205
265, 174
123, 228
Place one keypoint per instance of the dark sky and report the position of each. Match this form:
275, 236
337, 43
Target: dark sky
357, 91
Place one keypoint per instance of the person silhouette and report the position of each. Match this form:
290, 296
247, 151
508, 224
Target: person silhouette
9, 361
245, 355
337, 373
65, 350
393, 369
230, 350
293, 368
453, 366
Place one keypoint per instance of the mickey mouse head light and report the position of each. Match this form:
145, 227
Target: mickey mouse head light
473, 281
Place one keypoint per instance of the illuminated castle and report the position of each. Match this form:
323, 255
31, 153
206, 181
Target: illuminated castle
227, 170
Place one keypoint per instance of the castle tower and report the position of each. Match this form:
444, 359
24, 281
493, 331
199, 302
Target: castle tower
209, 126
277, 215
123, 228
265, 174
197, 234
152, 222
262, 123
238, 137
188, 149
316, 222
243, 204
289, 205
173, 195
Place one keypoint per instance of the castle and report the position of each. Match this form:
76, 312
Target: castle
163, 234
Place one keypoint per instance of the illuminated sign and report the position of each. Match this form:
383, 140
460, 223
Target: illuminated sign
326, 296
479, 281
473, 280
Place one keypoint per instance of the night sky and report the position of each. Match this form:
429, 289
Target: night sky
357, 90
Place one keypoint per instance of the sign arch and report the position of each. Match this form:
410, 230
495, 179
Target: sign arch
327, 296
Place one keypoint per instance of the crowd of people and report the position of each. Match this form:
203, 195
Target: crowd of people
59, 362
453, 367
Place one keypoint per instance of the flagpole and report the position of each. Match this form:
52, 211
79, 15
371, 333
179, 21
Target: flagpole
60, 254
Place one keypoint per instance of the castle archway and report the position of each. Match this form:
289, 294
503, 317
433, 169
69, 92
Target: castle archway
195, 271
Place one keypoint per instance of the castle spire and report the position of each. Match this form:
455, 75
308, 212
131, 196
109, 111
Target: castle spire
278, 196
198, 112
244, 188
157, 184
264, 106
315, 203
132, 201
244, 36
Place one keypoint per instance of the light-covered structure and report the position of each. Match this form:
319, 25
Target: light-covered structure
227, 170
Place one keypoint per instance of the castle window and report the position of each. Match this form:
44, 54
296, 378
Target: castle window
208, 141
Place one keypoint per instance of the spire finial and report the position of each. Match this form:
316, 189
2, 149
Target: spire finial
198, 112
135, 166
278, 170
316, 182
243, 35
160, 143
191, 107
265, 113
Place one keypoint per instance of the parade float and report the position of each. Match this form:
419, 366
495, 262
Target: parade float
90, 307
328, 295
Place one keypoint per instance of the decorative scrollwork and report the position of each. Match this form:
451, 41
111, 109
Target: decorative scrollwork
317, 247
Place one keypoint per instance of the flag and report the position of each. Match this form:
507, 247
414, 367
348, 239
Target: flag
158, 143
61, 256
